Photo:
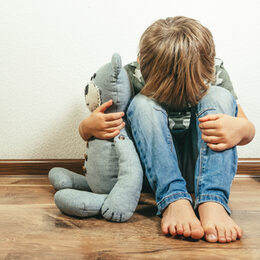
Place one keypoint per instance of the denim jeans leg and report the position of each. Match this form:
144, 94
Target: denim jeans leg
149, 124
215, 170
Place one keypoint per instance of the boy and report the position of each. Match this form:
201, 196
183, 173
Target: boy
185, 128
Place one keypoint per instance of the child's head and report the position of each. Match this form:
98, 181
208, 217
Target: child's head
177, 61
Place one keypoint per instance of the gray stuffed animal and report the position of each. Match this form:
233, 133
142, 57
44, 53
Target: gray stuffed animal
114, 175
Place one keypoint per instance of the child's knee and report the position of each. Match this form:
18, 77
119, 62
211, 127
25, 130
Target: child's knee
144, 107
218, 100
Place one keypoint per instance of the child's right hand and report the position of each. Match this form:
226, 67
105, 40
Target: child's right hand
101, 125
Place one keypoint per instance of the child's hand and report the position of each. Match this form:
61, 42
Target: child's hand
221, 131
101, 125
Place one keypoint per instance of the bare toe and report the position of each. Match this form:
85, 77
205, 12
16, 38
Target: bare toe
210, 233
186, 230
179, 229
172, 230
239, 232
234, 234
221, 234
228, 235
164, 228
197, 231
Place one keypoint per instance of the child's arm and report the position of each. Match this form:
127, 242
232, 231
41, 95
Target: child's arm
101, 125
222, 132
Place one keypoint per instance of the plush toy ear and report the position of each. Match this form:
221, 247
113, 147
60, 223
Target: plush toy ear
116, 64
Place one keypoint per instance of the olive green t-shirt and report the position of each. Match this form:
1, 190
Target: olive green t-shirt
180, 120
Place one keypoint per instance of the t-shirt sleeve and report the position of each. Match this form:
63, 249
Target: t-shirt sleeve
135, 76
222, 77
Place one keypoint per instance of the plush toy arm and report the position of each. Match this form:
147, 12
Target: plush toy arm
122, 201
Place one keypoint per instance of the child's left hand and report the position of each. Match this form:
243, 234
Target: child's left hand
221, 131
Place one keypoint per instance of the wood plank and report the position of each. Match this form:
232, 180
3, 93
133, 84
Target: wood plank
26, 195
51, 235
33, 228
23, 180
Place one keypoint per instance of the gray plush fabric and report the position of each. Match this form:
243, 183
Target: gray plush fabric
122, 200
79, 203
114, 172
62, 178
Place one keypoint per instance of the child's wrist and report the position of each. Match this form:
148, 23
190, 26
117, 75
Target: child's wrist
247, 131
84, 132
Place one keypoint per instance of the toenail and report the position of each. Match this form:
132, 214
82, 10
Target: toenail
211, 237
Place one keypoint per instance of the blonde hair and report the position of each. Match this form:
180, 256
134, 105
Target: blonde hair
177, 61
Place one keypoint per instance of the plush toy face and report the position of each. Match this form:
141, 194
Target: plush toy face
110, 82
92, 95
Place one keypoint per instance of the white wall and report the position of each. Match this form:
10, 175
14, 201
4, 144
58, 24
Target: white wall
50, 48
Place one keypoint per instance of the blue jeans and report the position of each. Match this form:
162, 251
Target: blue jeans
170, 168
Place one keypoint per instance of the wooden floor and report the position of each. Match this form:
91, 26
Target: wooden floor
33, 228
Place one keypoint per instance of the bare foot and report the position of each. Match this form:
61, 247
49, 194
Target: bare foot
217, 224
180, 219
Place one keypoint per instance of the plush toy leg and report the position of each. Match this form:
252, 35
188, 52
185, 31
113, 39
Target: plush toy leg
79, 203
62, 178
123, 199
